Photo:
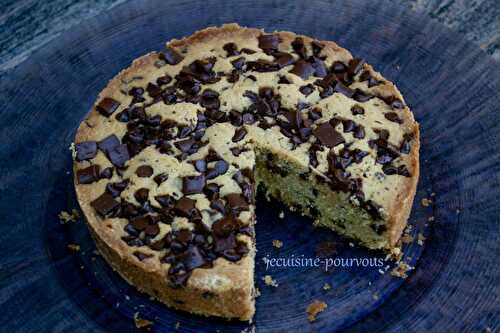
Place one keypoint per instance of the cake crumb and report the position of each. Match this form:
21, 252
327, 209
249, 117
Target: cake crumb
431, 219
177, 325
268, 280
277, 243
314, 309
140, 322
74, 247
375, 296
257, 292
351, 244
65, 217
250, 329
282, 215
400, 270
420, 239
72, 148
327, 287
407, 238
426, 202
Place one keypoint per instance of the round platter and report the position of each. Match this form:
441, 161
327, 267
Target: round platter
452, 87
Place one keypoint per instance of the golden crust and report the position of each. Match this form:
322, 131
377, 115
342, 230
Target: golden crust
237, 299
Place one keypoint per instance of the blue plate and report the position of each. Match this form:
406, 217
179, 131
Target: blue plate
452, 87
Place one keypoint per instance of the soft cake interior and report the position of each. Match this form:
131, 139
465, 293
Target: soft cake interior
300, 188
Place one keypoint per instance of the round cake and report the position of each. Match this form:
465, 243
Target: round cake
168, 160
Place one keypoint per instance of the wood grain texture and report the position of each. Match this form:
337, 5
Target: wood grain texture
27, 25
451, 85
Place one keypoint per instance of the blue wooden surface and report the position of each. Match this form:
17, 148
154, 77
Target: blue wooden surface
452, 87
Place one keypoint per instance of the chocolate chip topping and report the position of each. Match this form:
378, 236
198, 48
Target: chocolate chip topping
328, 135
239, 134
357, 109
86, 150
171, 56
144, 171
105, 204
269, 42
303, 69
185, 206
160, 178
109, 143
107, 106
231, 49
119, 155
88, 175
193, 184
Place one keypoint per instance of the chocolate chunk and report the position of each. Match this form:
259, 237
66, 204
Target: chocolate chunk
165, 201
316, 47
320, 69
185, 206
338, 67
247, 51
86, 150
200, 165
328, 135
236, 201
106, 173
225, 226
397, 104
284, 59
236, 151
283, 80
219, 168
141, 195
341, 88
248, 118
393, 116
357, 109
109, 143
269, 42
348, 125
152, 230
171, 56
185, 145
141, 256
236, 118
140, 223
192, 258
211, 191
355, 65
239, 134
359, 132
262, 66
303, 69
88, 175
403, 171
405, 146
210, 99
231, 49
218, 205
160, 178
299, 47
163, 80
238, 63
193, 184
119, 155
361, 96
144, 171
105, 204
107, 106
307, 89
